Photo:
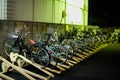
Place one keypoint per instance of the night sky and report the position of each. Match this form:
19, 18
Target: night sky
104, 13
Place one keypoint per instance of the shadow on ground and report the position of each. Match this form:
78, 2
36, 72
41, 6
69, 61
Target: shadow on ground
103, 65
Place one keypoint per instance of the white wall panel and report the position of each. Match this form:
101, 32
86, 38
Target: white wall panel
3, 9
51, 11
59, 7
24, 10
74, 10
43, 10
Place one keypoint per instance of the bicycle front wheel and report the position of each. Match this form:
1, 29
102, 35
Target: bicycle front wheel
41, 57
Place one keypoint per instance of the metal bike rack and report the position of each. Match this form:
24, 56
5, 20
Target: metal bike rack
47, 70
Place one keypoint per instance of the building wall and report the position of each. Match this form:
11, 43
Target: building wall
2, 15
23, 10
43, 10
51, 11
58, 8
48, 10
6, 9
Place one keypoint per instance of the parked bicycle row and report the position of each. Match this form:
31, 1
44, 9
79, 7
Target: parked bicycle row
50, 52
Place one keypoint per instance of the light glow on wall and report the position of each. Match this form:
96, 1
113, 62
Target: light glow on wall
2, 7
75, 11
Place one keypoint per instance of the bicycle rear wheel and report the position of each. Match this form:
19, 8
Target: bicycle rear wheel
61, 53
40, 56
7, 46
70, 51
53, 58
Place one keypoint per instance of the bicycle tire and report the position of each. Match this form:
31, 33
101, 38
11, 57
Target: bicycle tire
53, 58
7, 45
61, 53
70, 51
40, 56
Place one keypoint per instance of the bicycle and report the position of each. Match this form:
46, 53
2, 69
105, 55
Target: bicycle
16, 43
59, 49
51, 54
